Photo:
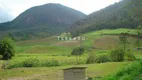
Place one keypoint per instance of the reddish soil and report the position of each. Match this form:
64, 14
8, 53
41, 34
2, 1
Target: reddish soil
106, 43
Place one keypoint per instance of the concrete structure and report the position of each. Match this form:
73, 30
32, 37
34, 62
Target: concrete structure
74, 73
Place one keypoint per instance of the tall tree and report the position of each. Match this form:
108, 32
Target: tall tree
77, 52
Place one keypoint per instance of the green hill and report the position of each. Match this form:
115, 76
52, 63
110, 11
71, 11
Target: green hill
100, 40
124, 14
42, 21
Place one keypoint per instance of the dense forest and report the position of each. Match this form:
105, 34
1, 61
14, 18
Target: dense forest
124, 14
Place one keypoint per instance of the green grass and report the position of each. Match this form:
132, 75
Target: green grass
93, 39
21, 49
56, 73
114, 31
19, 60
51, 49
108, 39
129, 72
44, 41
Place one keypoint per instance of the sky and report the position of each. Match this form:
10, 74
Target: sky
10, 9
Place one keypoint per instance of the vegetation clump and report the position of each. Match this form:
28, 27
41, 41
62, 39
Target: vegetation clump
117, 55
91, 58
103, 59
139, 34
130, 56
7, 48
34, 62
130, 72
77, 51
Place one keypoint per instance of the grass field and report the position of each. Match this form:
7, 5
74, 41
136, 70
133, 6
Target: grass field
56, 73
112, 31
93, 39
47, 49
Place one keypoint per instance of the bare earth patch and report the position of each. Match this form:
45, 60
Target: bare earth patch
68, 43
106, 42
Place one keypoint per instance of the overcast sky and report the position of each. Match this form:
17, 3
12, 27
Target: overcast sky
9, 9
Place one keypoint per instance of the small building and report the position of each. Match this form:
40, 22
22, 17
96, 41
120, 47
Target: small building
74, 73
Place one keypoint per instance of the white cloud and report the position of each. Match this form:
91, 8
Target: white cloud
15, 7
4, 14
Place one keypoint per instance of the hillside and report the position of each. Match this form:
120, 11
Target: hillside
48, 57
47, 49
124, 14
42, 21
99, 41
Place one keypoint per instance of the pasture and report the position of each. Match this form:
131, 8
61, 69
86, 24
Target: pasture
42, 52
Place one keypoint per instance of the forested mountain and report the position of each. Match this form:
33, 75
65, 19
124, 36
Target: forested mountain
42, 21
124, 14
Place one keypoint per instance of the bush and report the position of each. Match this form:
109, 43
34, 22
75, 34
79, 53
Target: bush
15, 65
117, 55
91, 58
130, 72
130, 56
51, 63
103, 59
90, 78
7, 48
126, 77
1, 56
77, 51
34, 62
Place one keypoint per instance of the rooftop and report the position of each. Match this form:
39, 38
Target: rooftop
75, 68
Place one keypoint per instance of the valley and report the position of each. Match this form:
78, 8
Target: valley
59, 52
45, 40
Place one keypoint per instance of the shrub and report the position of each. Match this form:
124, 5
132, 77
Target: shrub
103, 59
15, 65
90, 78
7, 48
126, 77
130, 72
91, 58
77, 51
51, 63
32, 62
117, 55
130, 56
1, 56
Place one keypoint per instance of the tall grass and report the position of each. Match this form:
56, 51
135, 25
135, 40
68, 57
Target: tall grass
130, 72
34, 62
114, 31
43, 60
